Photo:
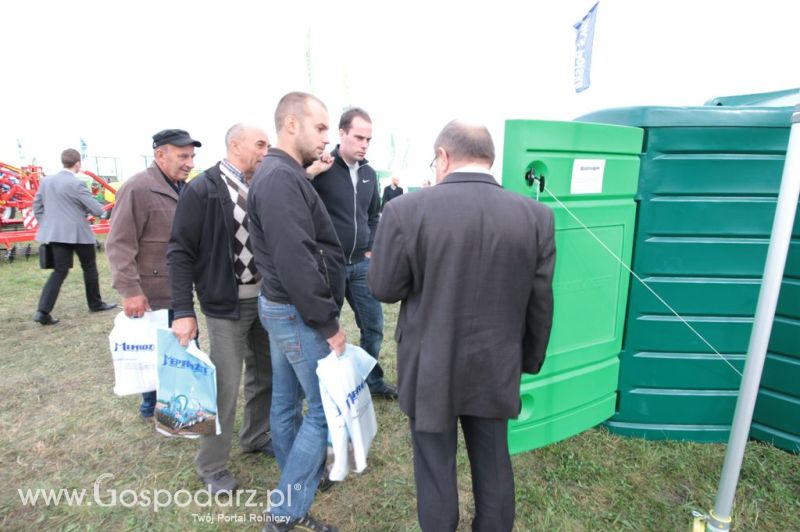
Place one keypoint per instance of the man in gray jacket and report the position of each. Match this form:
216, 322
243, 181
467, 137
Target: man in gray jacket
60, 207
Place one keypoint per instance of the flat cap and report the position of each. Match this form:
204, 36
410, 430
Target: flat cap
174, 137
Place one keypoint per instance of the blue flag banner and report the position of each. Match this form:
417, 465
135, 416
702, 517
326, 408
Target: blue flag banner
583, 49
83, 149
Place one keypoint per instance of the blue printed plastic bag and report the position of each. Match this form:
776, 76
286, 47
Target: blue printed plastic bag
187, 389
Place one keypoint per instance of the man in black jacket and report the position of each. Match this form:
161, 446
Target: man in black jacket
210, 247
298, 253
391, 191
349, 190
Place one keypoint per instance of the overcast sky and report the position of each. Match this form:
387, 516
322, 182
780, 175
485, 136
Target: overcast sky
114, 73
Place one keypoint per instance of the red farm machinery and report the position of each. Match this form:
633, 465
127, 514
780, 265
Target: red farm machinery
18, 226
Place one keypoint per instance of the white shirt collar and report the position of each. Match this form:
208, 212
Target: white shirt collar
474, 169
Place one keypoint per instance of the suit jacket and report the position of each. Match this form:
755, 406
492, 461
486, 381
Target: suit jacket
137, 243
61, 206
473, 266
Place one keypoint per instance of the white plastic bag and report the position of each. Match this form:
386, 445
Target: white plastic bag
133, 349
348, 408
187, 389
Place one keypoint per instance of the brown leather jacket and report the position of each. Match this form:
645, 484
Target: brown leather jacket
137, 243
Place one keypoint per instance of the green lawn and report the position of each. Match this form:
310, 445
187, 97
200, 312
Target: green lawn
62, 427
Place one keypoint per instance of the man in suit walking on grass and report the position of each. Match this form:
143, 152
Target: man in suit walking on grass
60, 207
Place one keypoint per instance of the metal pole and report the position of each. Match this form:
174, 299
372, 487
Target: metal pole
720, 518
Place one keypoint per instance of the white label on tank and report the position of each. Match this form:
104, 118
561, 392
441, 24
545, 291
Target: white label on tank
587, 176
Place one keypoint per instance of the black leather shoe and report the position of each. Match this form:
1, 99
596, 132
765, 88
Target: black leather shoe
220, 482
44, 318
276, 523
325, 484
266, 449
104, 306
385, 391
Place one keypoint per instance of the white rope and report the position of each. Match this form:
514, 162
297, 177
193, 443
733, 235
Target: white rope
561, 204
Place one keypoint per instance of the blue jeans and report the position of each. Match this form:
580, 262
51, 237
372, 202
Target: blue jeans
369, 316
300, 442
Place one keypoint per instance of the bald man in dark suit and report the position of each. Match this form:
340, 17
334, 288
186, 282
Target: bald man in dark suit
473, 266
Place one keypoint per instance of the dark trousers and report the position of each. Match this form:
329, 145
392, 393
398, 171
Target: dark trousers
62, 262
492, 475
233, 344
148, 406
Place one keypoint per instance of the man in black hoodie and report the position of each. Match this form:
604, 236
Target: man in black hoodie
349, 190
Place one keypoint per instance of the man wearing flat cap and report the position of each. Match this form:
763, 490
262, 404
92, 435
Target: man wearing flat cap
140, 227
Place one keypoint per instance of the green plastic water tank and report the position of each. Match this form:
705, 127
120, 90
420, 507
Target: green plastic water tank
784, 98
707, 189
593, 171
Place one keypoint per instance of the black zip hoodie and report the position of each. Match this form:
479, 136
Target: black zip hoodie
354, 212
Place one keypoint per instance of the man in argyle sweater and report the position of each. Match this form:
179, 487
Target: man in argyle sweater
210, 249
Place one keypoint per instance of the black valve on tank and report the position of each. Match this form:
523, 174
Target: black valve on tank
531, 177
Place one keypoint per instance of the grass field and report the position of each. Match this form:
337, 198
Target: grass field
63, 428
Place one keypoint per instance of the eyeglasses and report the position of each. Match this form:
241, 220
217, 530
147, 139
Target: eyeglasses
432, 166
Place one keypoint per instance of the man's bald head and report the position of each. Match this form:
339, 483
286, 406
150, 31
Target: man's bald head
293, 104
301, 121
247, 145
466, 143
